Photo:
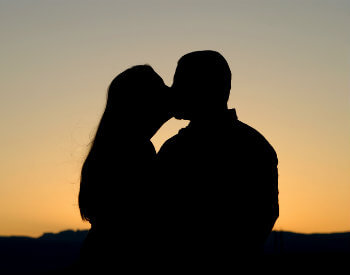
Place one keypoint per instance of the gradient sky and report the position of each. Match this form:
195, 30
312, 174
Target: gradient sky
290, 62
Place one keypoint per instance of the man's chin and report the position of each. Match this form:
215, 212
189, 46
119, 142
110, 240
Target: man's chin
178, 117
181, 116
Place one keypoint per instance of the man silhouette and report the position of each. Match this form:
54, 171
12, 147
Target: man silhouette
221, 173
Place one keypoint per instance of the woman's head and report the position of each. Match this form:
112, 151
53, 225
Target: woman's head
137, 106
139, 100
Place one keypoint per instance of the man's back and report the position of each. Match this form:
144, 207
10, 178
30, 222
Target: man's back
223, 186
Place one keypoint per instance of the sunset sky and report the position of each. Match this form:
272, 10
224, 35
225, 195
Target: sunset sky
290, 63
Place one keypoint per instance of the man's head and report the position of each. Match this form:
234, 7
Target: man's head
202, 84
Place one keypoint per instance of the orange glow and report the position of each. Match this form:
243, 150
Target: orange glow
290, 66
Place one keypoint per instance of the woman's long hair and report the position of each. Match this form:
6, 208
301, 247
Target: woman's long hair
129, 96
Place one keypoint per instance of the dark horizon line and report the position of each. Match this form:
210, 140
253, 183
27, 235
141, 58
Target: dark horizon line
85, 230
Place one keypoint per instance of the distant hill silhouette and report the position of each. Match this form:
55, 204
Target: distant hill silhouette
25, 255
281, 242
54, 251
67, 236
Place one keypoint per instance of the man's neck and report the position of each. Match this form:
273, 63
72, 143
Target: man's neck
217, 118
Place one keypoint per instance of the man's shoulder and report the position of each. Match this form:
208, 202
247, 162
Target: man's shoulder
249, 130
172, 143
169, 143
238, 132
253, 136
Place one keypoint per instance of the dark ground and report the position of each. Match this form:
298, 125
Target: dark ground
284, 251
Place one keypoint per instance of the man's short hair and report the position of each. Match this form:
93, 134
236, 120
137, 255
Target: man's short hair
206, 71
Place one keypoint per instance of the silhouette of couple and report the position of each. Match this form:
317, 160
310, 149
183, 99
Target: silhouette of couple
208, 196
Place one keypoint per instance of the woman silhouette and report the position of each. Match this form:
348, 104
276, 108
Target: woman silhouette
118, 188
